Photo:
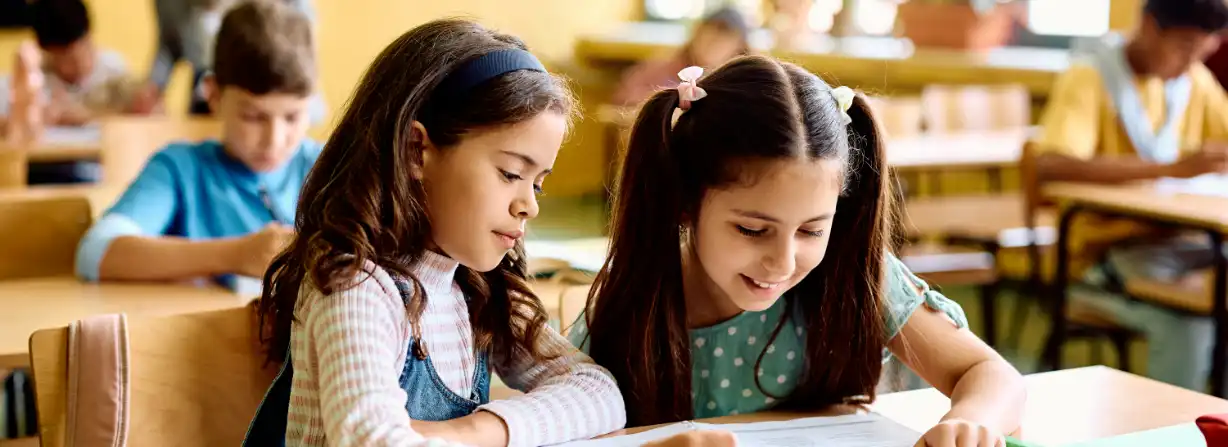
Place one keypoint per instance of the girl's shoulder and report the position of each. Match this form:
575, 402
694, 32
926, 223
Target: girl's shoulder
372, 287
906, 293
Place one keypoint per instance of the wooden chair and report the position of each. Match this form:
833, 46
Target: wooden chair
1083, 322
950, 108
899, 117
196, 380
41, 234
13, 168
946, 265
128, 142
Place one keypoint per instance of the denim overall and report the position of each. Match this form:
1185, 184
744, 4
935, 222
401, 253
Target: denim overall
429, 398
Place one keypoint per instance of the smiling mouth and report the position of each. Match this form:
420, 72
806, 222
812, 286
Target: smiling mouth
763, 285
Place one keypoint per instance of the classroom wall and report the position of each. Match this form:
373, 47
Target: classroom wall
352, 32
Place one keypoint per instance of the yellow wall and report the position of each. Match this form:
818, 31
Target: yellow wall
351, 32
1124, 14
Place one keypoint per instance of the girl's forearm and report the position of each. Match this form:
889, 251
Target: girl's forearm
991, 394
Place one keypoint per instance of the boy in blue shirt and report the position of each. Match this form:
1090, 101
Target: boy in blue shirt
216, 208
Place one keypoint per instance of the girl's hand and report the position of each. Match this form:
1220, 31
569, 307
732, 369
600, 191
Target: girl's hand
961, 433
705, 438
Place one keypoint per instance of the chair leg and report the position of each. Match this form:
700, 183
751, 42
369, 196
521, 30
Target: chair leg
1020, 311
1121, 341
989, 313
1051, 357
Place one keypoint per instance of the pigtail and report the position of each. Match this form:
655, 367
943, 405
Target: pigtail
645, 294
841, 301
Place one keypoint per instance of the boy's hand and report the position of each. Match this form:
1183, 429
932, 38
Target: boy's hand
705, 438
254, 252
1212, 158
145, 100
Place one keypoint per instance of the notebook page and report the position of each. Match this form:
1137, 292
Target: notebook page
636, 439
1204, 185
858, 430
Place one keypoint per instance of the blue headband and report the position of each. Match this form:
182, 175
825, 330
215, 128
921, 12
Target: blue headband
486, 67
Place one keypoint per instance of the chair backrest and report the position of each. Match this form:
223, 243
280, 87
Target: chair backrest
13, 168
1030, 183
196, 379
898, 116
976, 107
128, 142
41, 234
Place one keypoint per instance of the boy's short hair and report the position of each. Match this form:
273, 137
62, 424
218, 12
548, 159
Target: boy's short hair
265, 46
1206, 15
59, 23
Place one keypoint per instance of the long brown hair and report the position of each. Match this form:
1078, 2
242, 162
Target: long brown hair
757, 108
361, 203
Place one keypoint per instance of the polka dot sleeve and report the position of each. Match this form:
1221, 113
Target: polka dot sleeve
906, 293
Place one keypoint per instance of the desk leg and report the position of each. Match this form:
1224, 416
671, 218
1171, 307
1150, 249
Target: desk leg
1052, 357
1219, 357
995, 180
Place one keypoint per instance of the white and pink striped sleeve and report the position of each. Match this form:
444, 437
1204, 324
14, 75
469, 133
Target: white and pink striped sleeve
358, 340
567, 398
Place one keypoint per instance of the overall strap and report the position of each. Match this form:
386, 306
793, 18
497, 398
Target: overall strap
1158, 147
268, 425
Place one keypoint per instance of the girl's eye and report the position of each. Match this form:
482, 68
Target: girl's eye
815, 233
750, 232
537, 189
510, 177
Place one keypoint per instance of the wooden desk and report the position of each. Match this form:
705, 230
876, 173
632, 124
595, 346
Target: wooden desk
29, 305
869, 63
965, 150
1064, 407
1157, 202
100, 197
1073, 405
65, 144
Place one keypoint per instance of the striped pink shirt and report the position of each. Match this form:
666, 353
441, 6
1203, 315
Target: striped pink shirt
349, 349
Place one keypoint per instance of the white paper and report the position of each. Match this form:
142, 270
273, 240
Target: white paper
859, 430
72, 136
581, 254
636, 439
1203, 185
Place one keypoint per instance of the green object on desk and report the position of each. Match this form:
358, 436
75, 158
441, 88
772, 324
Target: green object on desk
1012, 442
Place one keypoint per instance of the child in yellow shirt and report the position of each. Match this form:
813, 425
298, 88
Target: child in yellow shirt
1144, 108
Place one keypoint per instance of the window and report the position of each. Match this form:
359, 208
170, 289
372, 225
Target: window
1068, 17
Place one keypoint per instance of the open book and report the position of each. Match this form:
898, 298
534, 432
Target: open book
858, 430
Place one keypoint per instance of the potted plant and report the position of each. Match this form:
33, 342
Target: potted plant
958, 24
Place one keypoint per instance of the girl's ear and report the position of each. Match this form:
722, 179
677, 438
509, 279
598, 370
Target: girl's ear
420, 141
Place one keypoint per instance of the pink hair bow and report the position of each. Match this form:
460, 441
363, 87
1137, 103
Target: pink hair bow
688, 89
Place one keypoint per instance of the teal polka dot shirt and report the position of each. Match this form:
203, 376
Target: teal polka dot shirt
723, 355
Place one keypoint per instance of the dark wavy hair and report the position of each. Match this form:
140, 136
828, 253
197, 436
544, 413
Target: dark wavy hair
757, 108
361, 203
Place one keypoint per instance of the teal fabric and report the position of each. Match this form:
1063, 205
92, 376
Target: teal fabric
723, 356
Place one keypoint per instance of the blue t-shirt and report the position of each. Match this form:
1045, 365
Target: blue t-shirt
724, 377
198, 191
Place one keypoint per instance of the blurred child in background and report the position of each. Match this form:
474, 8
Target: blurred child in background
1143, 108
720, 37
216, 208
63, 81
